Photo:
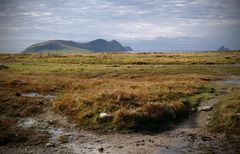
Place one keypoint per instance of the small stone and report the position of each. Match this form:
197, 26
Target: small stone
206, 138
238, 115
49, 145
193, 110
51, 122
105, 117
205, 108
101, 149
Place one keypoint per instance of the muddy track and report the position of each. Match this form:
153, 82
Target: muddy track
190, 136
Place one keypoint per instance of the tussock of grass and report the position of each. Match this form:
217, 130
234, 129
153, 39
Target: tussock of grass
226, 117
133, 105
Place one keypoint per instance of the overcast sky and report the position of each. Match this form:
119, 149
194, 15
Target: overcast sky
142, 24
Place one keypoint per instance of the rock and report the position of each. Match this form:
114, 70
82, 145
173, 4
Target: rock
98, 141
205, 108
101, 149
238, 115
223, 48
206, 138
193, 110
50, 145
52, 122
104, 117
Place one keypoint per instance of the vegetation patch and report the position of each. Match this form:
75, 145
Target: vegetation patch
226, 116
130, 105
14, 107
203, 93
123, 91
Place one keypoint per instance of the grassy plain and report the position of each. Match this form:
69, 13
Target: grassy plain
138, 91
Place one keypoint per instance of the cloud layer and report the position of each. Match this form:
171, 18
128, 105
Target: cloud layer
135, 22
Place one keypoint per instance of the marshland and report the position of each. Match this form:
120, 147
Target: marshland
120, 102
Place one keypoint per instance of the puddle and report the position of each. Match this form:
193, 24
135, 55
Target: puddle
232, 81
50, 96
34, 94
31, 94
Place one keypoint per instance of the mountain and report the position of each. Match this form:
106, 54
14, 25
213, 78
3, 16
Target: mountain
99, 45
223, 48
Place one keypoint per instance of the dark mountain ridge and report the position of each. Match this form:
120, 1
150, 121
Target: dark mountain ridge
99, 45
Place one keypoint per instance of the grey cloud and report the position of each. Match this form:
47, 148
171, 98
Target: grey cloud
127, 21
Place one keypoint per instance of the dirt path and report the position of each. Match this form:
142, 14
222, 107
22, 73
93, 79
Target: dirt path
189, 136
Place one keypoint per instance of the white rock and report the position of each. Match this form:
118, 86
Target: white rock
103, 115
205, 108
238, 114
49, 145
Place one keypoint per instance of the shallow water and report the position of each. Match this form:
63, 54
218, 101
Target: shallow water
232, 82
50, 96
34, 94
31, 94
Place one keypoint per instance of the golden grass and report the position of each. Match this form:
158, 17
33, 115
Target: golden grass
230, 57
131, 104
226, 116
138, 91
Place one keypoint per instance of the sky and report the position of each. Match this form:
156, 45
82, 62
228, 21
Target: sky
145, 25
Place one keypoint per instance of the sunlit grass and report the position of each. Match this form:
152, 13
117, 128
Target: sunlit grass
226, 117
128, 58
138, 91
132, 104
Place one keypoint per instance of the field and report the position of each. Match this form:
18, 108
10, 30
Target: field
137, 92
